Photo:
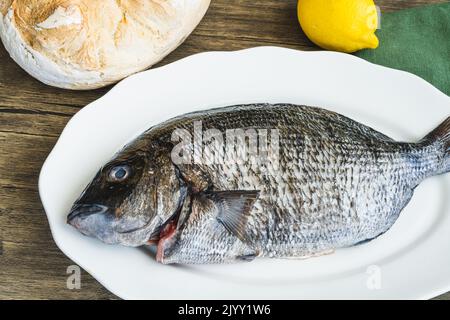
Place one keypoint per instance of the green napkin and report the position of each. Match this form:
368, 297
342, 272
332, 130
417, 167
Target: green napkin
416, 40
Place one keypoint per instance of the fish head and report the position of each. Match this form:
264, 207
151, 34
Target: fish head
129, 200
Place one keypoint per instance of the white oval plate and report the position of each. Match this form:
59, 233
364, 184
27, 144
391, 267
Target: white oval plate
412, 260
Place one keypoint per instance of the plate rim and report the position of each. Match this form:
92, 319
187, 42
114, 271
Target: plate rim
116, 88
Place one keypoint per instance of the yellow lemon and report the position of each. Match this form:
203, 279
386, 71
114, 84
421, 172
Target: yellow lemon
341, 25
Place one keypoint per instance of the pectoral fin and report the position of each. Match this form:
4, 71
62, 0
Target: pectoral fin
234, 209
247, 257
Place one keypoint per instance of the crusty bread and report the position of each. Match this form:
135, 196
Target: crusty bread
86, 44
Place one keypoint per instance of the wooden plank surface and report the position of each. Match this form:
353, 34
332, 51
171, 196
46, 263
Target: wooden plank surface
32, 115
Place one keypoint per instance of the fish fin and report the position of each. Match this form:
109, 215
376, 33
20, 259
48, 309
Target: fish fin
308, 256
247, 257
368, 239
234, 209
441, 137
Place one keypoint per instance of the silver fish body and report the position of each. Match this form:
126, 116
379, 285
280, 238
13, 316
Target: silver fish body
331, 183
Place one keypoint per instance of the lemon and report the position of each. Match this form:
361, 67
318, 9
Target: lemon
340, 25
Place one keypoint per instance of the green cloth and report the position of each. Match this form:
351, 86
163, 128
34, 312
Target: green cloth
416, 40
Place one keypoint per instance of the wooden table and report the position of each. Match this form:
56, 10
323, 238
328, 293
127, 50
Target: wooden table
32, 116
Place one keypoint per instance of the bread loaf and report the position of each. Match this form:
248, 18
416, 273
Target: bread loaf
86, 44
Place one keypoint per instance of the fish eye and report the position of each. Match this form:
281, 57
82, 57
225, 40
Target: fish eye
119, 173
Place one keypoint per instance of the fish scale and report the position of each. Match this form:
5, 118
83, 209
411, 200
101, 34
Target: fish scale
334, 183
325, 137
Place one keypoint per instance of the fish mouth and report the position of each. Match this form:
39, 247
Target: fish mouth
81, 210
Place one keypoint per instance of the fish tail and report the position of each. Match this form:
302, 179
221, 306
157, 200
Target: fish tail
439, 140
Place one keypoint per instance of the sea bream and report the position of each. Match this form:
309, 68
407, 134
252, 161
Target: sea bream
301, 182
